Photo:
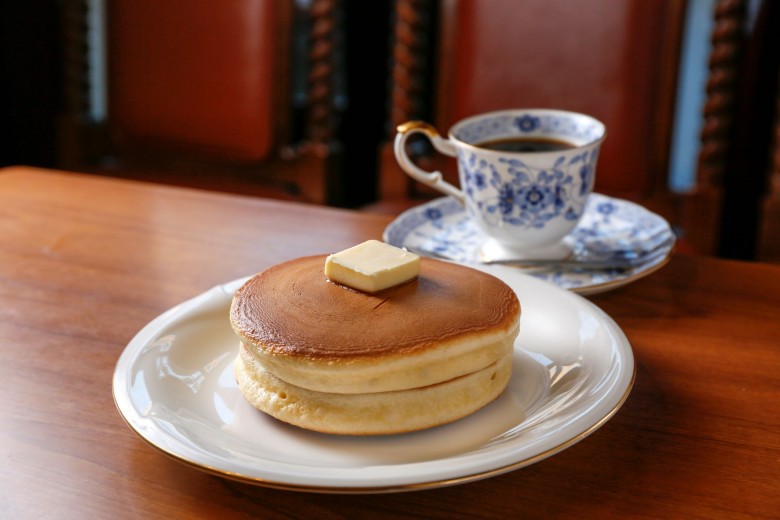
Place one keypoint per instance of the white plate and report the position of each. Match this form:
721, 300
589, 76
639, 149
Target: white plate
174, 386
610, 228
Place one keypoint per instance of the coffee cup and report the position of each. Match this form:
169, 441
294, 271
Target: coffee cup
525, 175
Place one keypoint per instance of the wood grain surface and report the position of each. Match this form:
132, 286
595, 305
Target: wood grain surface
85, 262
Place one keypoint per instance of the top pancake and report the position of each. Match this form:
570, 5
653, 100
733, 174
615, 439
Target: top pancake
292, 310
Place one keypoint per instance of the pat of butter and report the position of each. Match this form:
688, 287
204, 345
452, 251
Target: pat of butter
372, 266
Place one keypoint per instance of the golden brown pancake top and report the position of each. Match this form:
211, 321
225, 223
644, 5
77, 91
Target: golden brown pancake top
292, 309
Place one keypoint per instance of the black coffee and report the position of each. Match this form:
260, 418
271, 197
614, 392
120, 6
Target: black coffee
526, 144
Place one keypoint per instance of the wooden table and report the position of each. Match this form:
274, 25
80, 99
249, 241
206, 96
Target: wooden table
86, 262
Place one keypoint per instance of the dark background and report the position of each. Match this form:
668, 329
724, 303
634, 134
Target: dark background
30, 79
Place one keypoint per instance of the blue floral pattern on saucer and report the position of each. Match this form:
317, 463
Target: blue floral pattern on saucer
610, 228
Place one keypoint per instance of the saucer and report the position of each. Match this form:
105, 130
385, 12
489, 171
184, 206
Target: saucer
610, 229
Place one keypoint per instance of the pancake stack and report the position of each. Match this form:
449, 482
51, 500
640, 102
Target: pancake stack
325, 357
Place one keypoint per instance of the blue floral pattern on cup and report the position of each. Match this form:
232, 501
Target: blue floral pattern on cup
528, 197
527, 123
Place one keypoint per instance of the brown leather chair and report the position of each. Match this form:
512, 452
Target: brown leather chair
236, 94
617, 61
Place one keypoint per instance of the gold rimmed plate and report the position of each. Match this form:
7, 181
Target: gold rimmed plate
174, 386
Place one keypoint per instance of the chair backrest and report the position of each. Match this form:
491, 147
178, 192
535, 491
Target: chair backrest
617, 61
196, 76
235, 84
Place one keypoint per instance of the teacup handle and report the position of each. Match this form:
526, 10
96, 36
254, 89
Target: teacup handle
445, 146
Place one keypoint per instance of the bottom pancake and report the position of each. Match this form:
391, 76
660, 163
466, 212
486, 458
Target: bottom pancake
373, 413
